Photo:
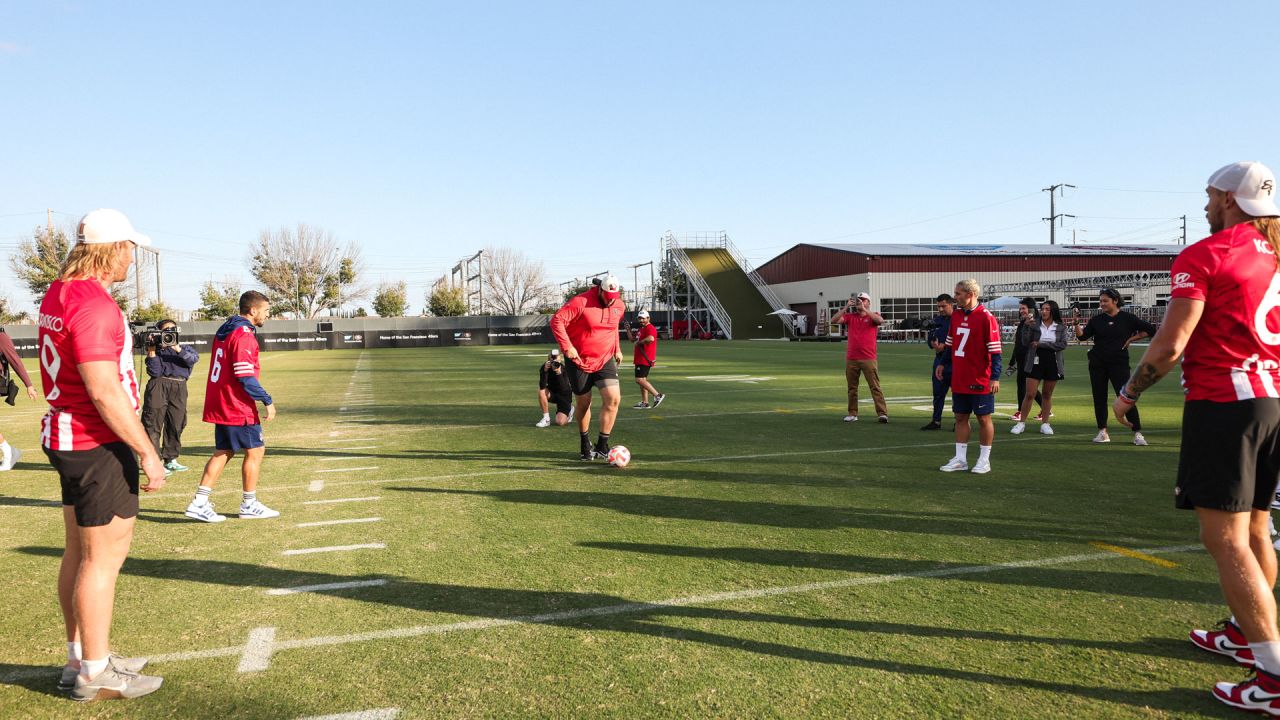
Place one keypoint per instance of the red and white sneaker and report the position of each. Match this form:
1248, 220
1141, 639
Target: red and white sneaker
1260, 693
1017, 417
1229, 641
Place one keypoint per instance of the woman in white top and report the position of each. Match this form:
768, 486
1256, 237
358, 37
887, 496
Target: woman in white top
1043, 364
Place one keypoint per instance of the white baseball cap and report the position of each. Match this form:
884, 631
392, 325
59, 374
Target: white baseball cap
108, 226
863, 296
1252, 183
611, 287
643, 314
555, 353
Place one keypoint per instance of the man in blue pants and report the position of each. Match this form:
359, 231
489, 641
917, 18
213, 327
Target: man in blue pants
938, 343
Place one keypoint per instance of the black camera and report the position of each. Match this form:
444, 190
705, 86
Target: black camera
153, 337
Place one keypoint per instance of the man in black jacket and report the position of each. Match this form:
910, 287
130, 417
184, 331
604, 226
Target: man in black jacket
164, 406
937, 340
553, 387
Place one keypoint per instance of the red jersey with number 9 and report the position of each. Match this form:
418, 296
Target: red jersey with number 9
234, 355
974, 337
80, 323
1234, 352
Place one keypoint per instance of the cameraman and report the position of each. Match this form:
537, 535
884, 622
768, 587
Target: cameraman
553, 386
164, 406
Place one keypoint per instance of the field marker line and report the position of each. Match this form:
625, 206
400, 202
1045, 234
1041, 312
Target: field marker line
350, 440
331, 470
326, 586
379, 714
339, 522
341, 457
315, 486
335, 548
257, 650
641, 607
340, 500
1135, 554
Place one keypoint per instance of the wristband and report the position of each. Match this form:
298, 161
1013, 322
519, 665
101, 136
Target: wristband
1124, 395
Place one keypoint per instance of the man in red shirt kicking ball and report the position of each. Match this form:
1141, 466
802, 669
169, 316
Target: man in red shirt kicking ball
587, 330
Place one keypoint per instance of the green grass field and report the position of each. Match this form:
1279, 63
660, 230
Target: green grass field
759, 558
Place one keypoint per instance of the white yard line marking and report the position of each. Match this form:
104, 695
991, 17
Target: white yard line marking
326, 586
335, 548
315, 486
350, 521
341, 457
257, 650
342, 500
642, 607
367, 467
351, 440
379, 714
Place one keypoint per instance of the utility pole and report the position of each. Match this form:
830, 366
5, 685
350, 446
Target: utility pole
49, 214
1184, 229
1054, 215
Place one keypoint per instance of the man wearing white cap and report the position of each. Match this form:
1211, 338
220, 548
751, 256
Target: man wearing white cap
645, 341
586, 329
1230, 457
860, 354
90, 435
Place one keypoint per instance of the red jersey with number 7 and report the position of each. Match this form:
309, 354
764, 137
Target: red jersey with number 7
973, 338
80, 323
1234, 352
234, 355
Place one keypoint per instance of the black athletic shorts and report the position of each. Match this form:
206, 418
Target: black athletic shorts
581, 382
1046, 366
642, 371
1230, 458
563, 402
101, 483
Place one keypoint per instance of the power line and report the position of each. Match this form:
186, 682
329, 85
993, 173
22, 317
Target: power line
926, 220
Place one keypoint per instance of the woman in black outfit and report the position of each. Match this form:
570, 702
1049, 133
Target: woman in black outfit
1112, 330
1021, 343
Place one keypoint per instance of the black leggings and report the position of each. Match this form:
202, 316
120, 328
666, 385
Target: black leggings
1022, 389
1117, 374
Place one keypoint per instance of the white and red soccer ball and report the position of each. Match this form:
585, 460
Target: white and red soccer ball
619, 456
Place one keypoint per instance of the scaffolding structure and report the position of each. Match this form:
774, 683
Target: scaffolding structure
468, 274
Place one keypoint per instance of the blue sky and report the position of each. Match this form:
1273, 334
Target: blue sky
579, 133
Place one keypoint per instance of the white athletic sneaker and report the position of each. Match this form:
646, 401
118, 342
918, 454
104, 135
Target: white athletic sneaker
1271, 525
1102, 437
1275, 502
14, 457
1045, 429
982, 467
851, 418
1018, 428
204, 513
955, 465
257, 511
1139, 440
544, 422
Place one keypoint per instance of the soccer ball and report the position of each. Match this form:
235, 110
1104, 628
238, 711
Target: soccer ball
619, 456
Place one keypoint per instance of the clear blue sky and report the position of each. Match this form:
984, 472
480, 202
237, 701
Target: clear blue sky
579, 133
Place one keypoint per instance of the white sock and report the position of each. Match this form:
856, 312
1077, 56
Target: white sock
73, 653
984, 453
202, 496
546, 416
91, 669
962, 451
248, 498
1266, 655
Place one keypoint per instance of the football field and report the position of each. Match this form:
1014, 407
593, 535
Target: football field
439, 556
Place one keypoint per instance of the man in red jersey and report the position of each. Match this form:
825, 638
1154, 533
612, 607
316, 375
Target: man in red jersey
1230, 457
587, 330
973, 353
860, 354
646, 354
90, 435
231, 400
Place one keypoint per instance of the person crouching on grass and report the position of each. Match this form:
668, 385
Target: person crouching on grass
553, 387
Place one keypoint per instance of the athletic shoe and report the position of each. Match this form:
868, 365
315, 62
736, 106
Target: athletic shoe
1017, 417
1275, 502
114, 683
204, 513
601, 451
1102, 436
175, 466
1229, 640
933, 425
1139, 440
544, 422
883, 419
641, 406
14, 456
982, 467
1271, 525
257, 511
955, 465
1260, 694
1045, 429
67, 680
587, 454
1018, 428
657, 399
851, 418
1040, 417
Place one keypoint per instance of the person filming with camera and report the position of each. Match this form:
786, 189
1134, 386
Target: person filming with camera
553, 387
860, 354
164, 404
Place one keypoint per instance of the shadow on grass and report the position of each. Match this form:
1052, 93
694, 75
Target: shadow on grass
616, 614
36, 678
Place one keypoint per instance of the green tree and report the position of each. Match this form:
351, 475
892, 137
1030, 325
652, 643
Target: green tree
151, 314
671, 279
576, 287
305, 272
218, 303
360, 312
391, 300
38, 261
445, 301
7, 315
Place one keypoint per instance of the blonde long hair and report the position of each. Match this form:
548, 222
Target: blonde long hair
1269, 227
91, 260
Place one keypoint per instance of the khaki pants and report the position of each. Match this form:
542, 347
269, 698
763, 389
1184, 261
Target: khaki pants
866, 368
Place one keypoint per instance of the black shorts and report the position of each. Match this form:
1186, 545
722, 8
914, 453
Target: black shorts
581, 382
101, 483
642, 371
1230, 456
237, 437
563, 402
1046, 367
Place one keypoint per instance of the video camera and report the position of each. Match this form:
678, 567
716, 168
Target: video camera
153, 337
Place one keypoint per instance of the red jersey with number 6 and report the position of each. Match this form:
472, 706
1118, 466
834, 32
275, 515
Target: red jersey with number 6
235, 355
973, 338
80, 323
1234, 352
